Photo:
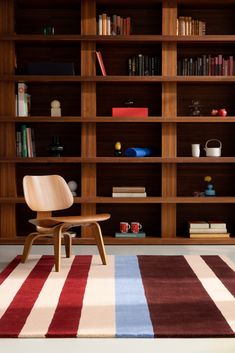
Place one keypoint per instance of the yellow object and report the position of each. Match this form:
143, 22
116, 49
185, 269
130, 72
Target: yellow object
118, 146
208, 178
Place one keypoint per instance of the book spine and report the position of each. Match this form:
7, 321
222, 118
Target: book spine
24, 141
129, 194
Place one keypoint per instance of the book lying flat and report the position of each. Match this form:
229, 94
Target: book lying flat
129, 112
210, 235
128, 189
199, 224
217, 225
209, 230
129, 194
130, 235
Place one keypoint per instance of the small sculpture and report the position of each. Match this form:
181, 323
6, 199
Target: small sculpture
195, 108
73, 187
210, 191
118, 149
55, 108
55, 148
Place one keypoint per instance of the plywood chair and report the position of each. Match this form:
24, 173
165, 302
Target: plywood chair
47, 193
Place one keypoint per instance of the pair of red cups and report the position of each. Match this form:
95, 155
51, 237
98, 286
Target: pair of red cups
134, 227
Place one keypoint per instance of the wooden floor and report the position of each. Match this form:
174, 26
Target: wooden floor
117, 345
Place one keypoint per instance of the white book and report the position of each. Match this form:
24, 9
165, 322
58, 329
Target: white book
129, 194
198, 224
217, 225
209, 230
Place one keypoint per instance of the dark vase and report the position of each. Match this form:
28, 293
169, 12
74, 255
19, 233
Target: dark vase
55, 148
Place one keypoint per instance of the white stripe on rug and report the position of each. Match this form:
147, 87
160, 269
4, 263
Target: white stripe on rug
44, 308
222, 298
228, 262
98, 311
132, 313
14, 281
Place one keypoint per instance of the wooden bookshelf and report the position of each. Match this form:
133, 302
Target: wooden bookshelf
88, 131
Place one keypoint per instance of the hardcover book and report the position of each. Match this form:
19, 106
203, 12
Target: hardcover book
128, 189
130, 235
210, 235
129, 194
129, 112
198, 224
101, 63
209, 230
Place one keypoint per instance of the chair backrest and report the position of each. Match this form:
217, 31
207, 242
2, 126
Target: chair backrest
46, 192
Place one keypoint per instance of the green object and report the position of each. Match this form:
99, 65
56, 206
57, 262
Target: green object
130, 235
48, 30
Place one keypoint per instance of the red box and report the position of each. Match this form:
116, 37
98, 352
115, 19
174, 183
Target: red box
130, 112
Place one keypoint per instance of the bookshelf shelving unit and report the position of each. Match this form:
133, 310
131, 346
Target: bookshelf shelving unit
89, 132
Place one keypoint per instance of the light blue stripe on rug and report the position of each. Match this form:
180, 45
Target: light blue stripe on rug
132, 313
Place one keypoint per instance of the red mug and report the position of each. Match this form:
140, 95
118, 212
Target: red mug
124, 227
135, 227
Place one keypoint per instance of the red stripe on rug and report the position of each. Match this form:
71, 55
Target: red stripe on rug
10, 267
16, 314
179, 305
222, 271
68, 312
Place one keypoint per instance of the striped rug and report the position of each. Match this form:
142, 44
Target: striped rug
133, 296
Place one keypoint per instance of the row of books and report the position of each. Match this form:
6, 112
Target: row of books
129, 191
144, 65
187, 26
113, 25
206, 65
210, 229
25, 142
23, 100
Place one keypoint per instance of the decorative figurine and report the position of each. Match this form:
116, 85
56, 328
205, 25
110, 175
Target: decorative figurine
73, 185
55, 108
55, 148
118, 149
210, 191
195, 108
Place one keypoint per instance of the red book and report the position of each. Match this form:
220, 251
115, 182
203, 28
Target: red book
130, 112
101, 63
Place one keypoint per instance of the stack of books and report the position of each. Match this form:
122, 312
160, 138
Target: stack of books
210, 229
129, 191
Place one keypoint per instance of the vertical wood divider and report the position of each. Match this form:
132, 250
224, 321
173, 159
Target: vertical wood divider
169, 110
7, 131
88, 109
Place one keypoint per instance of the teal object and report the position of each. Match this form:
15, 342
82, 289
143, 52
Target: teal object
210, 191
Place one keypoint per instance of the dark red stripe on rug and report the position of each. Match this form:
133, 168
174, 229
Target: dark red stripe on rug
10, 267
222, 271
68, 312
179, 305
16, 314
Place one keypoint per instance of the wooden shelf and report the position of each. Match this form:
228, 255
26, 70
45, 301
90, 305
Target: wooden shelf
119, 39
87, 130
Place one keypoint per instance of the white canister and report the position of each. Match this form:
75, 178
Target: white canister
213, 151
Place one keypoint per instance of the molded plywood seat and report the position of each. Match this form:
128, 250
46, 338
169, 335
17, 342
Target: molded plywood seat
47, 193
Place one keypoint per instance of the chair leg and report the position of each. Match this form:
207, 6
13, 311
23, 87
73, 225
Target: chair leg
28, 245
67, 244
57, 247
100, 244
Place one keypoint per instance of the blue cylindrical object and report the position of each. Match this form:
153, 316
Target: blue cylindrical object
138, 152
